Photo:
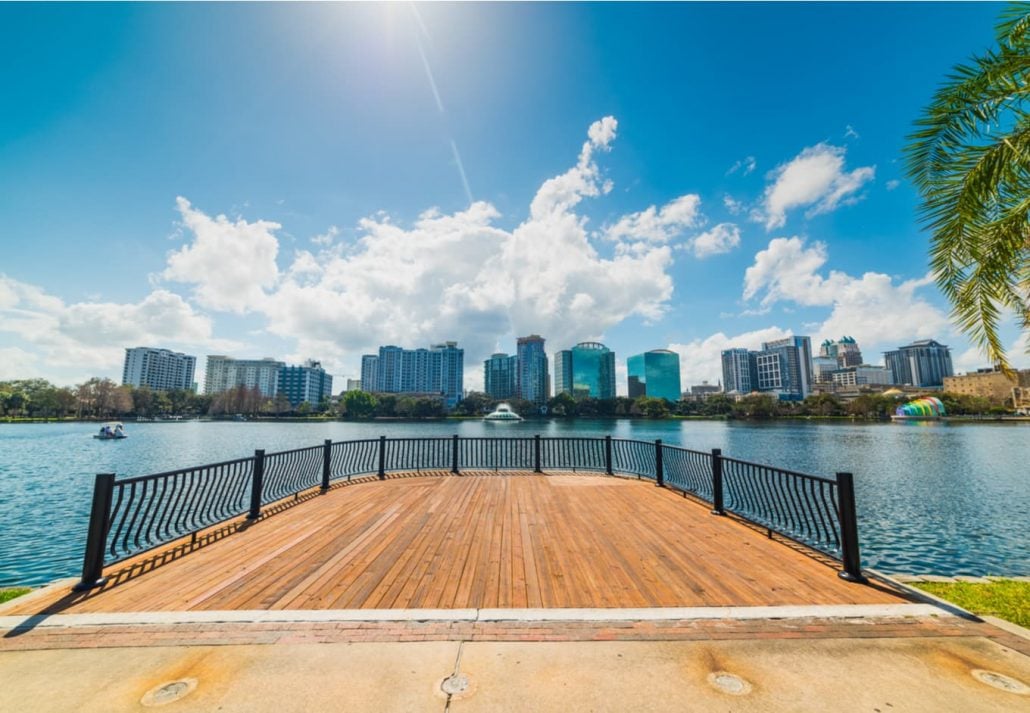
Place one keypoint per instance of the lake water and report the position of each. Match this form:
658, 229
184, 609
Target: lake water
933, 497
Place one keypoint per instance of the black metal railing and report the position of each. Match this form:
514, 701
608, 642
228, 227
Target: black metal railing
132, 515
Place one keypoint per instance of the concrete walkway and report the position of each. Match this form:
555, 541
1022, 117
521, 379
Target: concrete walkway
841, 663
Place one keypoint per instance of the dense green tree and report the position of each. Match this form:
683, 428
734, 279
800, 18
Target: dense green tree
970, 160
563, 405
651, 407
359, 404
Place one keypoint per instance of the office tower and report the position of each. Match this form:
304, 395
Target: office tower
224, 373
563, 372
790, 372
499, 376
738, 371
655, 373
592, 370
924, 363
844, 351
532, 382
158, 369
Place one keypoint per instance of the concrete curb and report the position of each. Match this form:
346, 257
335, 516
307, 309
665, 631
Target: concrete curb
846, 611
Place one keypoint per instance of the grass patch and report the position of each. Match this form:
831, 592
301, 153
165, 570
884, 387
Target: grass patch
1005, 599
7, 595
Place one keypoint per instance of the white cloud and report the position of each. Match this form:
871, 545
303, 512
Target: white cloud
87, 338
16, 363
892, 184
816, 178
658, 225
701, 359
326, 238
734, 206
850, 133
748, 165
871, 308
720, 239
454, 276
231, 264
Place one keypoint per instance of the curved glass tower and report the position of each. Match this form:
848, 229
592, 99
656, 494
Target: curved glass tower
655, 373
593, 371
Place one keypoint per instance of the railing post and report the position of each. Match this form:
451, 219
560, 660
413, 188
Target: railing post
256, 483
454, 454
327, 454
536, 454
96, 538
851, 559
717, 504
382, 458
659, 467
608, 455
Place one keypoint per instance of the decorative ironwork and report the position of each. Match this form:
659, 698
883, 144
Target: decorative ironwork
132, 515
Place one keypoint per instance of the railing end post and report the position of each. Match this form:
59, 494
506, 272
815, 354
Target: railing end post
659, 466
382, 458
608, 455
851, 559
256, 484
454, 455
536, 454
327, 455
718, 507
96, 537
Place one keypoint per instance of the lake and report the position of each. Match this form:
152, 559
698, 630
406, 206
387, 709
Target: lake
940, 498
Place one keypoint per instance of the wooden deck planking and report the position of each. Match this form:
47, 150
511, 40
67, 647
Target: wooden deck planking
481, 541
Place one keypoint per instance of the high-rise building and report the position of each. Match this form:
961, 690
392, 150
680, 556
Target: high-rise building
563, 372
924, 363
499, 376
783, 366
845, 352
369, 372
655, 373
308, 383
532, 382
739, 371
353, 384
224, 373
790, 372
586, 370
158, 369
438, 370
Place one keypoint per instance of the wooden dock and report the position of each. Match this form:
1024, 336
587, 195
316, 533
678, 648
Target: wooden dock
480, 540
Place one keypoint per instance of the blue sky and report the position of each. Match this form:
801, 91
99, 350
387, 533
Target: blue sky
286, 180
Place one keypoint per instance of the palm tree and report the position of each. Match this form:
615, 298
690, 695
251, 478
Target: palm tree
970, 160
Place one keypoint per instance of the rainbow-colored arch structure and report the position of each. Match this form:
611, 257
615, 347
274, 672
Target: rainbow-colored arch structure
926, 407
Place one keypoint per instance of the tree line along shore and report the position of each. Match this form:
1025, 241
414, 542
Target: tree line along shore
30, 400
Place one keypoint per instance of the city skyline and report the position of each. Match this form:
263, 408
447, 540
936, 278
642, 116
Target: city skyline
306, 212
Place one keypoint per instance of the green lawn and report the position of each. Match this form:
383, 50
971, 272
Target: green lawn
1005, 599
7, 595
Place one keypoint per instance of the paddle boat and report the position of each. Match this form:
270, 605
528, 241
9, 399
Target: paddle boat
111, 431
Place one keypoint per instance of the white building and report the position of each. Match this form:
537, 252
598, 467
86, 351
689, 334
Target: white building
863, 374
158, 369
224, 373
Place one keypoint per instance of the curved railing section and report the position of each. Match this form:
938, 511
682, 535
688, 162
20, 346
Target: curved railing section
132, 515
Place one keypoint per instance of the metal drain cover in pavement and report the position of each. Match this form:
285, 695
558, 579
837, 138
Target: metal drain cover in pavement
455, 685
729, 683
168, 692
1000, 680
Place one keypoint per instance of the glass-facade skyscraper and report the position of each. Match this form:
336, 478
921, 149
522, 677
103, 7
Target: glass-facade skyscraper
499, 376
586, 370
532, 382
655, 373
